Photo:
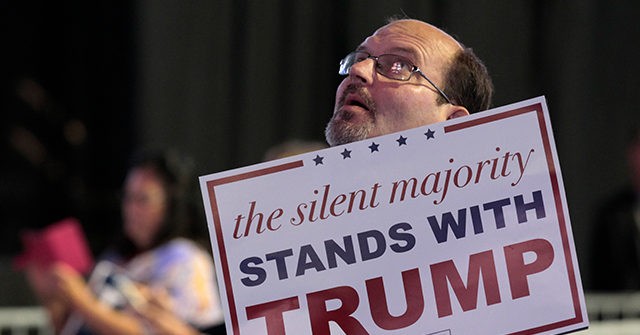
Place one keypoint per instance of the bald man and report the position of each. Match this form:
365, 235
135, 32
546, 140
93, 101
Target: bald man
407, 74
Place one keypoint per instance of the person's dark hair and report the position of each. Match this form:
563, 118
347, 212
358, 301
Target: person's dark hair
177, 219
467, 82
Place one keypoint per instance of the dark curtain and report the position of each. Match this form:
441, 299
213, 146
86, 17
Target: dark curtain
66, 103
226, 80
222, 81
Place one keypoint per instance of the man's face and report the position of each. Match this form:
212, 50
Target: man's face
369, 104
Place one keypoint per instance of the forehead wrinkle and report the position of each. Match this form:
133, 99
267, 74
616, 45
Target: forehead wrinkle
430, 43
403, 51
419, 48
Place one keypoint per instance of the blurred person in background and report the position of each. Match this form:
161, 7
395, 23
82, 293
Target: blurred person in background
615, 244
153, 254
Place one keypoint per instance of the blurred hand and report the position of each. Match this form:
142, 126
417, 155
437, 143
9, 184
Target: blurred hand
71, 286
159, 314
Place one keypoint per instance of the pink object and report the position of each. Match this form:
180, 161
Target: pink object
63, 241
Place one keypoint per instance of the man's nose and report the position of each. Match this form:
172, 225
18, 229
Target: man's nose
362, 71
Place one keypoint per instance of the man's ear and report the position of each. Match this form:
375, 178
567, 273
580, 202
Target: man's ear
456, 111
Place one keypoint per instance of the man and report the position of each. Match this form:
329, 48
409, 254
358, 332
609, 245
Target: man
407, 74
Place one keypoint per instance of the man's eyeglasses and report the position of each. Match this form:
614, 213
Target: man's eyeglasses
391, 66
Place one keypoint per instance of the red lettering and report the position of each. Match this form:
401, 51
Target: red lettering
320, 317
337, 201
255, 216
445, 278
518, 270
446, 272
274, 215
272, 312
413, 297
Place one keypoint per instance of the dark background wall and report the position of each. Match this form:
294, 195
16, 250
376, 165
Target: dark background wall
85, 84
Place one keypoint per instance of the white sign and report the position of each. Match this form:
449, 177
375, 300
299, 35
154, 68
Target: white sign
459, 227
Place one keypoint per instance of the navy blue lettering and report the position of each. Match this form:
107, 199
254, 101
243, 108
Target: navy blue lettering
365, 249
307, 252
477, 220
457, 227
397, 233
522, 208
498, 213
279, 257
347, 254
246, 268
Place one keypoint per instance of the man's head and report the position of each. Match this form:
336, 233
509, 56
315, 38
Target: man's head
431, 78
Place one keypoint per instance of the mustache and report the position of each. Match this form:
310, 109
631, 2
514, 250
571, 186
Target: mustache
360, 92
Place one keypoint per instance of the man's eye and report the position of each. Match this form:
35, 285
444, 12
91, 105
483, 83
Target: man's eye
395, 64
397, 67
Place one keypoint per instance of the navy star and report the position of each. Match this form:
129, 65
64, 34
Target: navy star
346, 153
318, 159
374, 146
401, 141
429, 134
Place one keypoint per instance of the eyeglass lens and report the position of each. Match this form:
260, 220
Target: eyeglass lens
390, 66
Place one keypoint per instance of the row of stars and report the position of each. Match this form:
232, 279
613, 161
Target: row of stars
374, 147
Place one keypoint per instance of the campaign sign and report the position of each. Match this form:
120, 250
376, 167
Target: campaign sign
459, 227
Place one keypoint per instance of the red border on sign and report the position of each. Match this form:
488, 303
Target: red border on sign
533, 108
546, 141
218, 228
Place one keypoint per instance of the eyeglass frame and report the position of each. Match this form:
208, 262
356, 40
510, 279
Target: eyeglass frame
344, 71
